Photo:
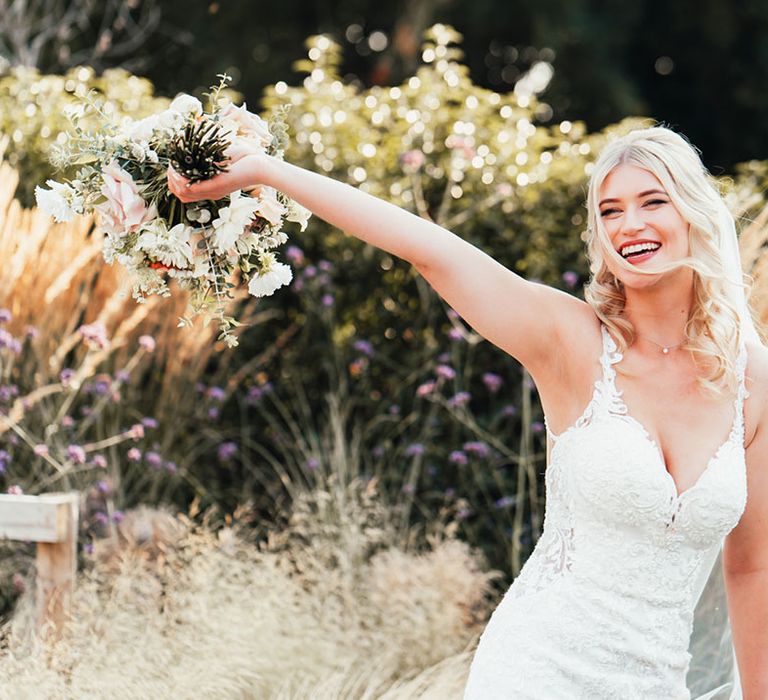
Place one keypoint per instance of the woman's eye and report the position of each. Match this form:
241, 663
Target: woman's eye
608, 212
656, 201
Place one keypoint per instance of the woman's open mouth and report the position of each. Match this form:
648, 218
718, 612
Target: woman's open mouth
639, 251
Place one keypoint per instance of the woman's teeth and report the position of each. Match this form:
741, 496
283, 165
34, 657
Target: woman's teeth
638, 249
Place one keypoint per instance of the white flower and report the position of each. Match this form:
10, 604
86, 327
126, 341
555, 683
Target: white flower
141, 130
61, 202
168, 247
266, 283
269, 206
298, 214
186, 104
232, 220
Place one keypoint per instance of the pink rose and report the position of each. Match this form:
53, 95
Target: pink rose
125, 210
246, 124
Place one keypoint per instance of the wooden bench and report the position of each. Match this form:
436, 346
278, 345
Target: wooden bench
51, 520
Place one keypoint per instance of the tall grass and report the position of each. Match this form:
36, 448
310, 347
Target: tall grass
328, 607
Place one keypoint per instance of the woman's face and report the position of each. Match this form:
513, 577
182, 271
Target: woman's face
642, 224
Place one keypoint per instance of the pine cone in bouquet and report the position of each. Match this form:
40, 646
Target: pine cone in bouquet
198, 150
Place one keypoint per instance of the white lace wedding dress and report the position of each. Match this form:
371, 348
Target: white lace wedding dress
603, 607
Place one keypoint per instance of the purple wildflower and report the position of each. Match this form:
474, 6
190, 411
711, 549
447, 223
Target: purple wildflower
227, 451
8, 392
310, 271
5, 460
492, 381
325, 265
149, 422
171, 467
509, 410
312, 464
6, 339
458, 457
394, 409
327, 300
570, 278
136, 431
76, 454
88, 547
94, 335
537, 427
364, 347
408, 488
254, 395
134, 454
40, 450
464, 513
213, 413
31, 332
118, 516
216, 393
505, 501
100, 518
481, 449
102, 486
460, 399
294, 254
425, 388
65, 375
414, 450
122, 376
455, 334
147, 343
99, 461
445, 372
154, 459
378, 451
5, 316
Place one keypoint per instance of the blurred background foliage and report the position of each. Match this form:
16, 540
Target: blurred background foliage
698, 66
359, 370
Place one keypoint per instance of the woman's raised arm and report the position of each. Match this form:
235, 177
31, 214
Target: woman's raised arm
520, 317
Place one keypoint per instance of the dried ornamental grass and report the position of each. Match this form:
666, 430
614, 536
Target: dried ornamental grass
170, 609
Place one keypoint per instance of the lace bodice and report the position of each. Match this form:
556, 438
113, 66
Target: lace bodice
612, 578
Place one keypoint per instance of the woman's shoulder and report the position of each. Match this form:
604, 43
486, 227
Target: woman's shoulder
756, 382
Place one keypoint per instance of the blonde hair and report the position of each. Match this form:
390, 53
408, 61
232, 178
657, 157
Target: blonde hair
713, 330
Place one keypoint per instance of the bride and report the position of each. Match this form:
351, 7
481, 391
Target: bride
655, 391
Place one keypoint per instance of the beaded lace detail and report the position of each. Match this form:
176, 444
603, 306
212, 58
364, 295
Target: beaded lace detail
604, 605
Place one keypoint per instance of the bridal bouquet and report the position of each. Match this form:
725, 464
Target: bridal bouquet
121, 175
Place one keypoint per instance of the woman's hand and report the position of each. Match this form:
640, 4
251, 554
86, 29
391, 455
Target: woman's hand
244, 169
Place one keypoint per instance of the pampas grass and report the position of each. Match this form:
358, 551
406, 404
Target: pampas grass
185, 611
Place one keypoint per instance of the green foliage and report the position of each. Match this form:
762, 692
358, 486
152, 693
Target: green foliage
34, 114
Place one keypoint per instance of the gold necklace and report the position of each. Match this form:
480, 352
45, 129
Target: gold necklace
664, 348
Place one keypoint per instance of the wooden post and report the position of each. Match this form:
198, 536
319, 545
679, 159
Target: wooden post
51, 520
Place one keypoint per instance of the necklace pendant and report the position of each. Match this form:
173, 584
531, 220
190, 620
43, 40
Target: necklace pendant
665, 350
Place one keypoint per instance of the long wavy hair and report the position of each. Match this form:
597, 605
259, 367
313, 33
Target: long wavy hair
713, 330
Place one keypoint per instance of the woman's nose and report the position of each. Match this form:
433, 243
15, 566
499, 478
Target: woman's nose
632, 220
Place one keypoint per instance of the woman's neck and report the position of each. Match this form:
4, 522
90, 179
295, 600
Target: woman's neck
659, 313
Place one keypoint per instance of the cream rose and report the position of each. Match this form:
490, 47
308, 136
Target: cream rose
246, 124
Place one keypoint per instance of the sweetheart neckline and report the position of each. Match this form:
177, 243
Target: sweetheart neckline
631, 420
679, 495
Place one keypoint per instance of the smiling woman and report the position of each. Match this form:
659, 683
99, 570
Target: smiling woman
638, 502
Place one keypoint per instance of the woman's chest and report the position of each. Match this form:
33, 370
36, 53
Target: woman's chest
612, 473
